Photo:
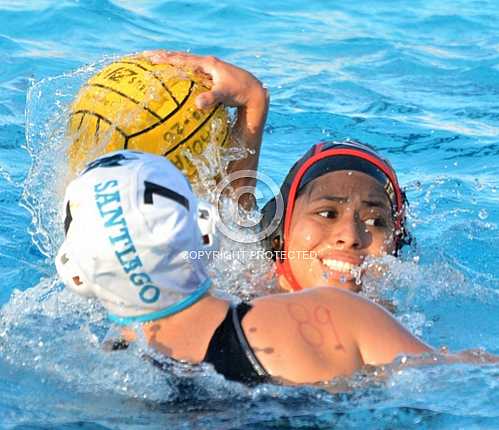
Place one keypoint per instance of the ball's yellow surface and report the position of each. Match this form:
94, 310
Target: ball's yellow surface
134, 104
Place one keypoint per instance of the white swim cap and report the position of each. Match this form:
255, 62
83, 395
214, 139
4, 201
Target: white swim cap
132, 227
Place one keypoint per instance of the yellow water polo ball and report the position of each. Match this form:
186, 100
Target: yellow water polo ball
135, 104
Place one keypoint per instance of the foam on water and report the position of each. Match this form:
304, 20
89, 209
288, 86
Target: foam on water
47, 110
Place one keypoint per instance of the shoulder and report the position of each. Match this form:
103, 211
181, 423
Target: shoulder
302, 336
327, 296
279, 308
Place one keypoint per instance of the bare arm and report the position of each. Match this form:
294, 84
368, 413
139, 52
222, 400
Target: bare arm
381, 338
234, 87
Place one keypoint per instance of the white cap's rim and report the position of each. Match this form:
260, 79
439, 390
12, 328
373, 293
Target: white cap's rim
168, 311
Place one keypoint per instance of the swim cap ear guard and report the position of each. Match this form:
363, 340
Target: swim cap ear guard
207, 225
323, 158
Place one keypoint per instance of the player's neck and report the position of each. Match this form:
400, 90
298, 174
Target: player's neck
187, 334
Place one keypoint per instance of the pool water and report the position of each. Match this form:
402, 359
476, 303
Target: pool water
419, 80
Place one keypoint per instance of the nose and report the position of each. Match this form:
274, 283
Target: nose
350, 232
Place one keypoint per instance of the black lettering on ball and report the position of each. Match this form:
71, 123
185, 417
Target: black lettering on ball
177, 160
205, 136
120, 73
197, 147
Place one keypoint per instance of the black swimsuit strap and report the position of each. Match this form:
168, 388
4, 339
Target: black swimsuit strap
229, 351
238, 314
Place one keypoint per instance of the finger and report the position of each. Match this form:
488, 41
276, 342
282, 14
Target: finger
209, 99
174, 58
152, 52
164, 52
158, 56
182, 62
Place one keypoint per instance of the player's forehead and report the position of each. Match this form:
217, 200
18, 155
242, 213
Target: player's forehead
345, 187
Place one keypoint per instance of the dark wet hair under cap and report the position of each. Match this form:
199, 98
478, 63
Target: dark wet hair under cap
323, 158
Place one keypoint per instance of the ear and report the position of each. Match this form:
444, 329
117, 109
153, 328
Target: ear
276, 243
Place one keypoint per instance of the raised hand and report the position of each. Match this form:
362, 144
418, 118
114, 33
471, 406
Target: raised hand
234, 87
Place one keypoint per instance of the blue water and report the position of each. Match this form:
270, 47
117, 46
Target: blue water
417, 79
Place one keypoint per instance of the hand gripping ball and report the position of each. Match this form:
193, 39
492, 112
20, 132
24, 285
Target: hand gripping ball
134, 104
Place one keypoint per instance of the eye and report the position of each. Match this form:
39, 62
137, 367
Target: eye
329, 214
375, 222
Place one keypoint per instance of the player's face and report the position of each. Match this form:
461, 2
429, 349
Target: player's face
339, 219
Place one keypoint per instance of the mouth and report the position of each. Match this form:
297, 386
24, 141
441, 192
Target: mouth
340, 269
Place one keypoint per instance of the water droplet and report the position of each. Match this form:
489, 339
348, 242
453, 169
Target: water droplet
483, 214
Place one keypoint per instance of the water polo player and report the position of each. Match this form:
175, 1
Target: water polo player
342, 204
342, 201
132, 235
